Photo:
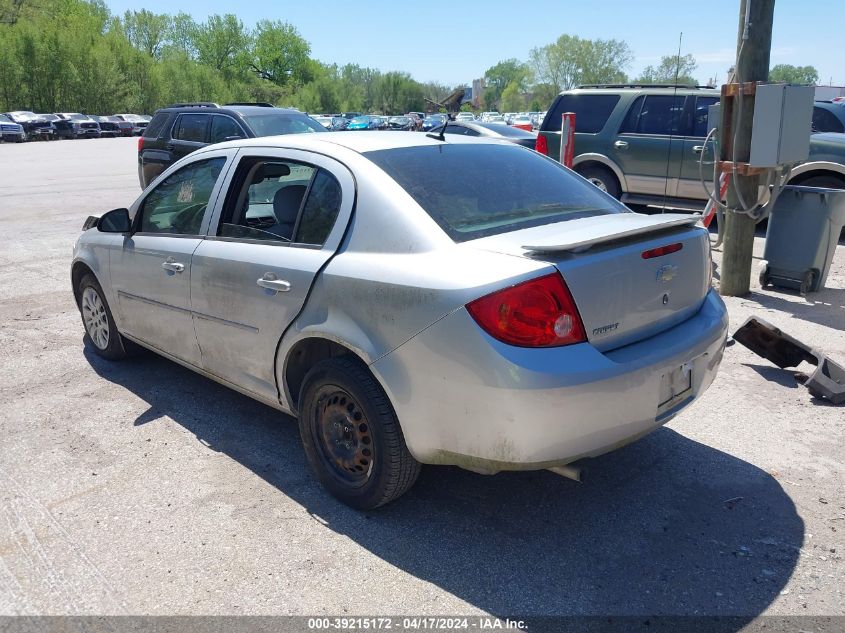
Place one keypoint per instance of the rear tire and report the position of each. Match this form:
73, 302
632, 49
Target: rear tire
352, 437
101, 332
602, 178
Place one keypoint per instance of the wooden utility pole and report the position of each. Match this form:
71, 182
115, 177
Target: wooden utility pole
754, 43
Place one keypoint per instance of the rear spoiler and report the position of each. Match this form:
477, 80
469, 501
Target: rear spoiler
580, 235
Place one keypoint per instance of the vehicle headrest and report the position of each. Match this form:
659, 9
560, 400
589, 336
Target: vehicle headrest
286, 203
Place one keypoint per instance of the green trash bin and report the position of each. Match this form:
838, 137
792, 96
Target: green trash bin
801, 238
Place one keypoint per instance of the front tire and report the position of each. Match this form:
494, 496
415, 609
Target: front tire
352, 437
100, 329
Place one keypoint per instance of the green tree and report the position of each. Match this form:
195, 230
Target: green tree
672, 69
147, 31
279, 54
570, 61
787, 73
511, 100
222, 43
498, 77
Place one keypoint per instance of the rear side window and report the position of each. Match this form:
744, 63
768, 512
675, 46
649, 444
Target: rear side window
654, 114
591, 112
824, 121
272, 124
320, 211
156, 125
191, 127
475, 190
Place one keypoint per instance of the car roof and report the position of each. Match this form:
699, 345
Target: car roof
660, 89
230, 109
360, 142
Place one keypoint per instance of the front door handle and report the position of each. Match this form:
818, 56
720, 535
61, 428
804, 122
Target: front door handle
698, 148
271, 282
172, 265
620, 145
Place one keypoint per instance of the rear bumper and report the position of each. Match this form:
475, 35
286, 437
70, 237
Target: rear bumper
465, 399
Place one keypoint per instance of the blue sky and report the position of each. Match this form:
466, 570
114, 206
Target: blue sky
455, 41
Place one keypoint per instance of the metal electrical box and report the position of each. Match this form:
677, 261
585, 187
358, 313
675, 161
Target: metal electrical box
780, 133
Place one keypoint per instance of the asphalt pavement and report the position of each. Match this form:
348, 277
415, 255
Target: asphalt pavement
139, 487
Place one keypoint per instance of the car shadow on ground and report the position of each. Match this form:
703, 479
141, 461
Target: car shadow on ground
664, 526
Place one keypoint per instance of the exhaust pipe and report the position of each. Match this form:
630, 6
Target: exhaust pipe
570, 472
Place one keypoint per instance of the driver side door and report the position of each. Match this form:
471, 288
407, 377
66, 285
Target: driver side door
151, 272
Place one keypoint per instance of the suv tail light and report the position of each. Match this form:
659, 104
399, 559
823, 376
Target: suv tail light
536, 313
140, 143
541, 145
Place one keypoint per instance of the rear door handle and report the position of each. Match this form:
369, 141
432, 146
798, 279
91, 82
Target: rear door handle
620, 145
172, 265
169, 148
271, 282
698, 148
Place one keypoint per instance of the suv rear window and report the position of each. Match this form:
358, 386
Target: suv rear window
479, 189
155, 126
591, 112
824, 121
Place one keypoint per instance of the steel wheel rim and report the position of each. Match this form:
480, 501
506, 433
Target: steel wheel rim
95, 317
598, 182
343, 436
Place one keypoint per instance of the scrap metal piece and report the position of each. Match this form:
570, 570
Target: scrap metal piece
768, 341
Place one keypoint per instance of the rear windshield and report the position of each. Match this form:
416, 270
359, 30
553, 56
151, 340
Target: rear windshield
474, 190
591, 112
272, 124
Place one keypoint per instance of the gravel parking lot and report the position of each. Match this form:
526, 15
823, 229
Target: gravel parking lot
141, 488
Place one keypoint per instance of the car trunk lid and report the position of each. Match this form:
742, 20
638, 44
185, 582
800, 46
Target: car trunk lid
625, 288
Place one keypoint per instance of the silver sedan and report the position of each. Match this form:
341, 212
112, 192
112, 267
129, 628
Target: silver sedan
412, 300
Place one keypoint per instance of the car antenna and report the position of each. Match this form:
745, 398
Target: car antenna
441, 136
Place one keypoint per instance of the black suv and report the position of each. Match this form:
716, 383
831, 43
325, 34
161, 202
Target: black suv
180, 129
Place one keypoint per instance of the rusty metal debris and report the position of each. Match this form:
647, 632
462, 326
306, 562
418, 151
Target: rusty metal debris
768, 341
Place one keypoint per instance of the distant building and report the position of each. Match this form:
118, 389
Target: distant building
828, 93
478, 87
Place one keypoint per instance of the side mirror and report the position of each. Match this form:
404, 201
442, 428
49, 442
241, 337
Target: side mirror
115, 221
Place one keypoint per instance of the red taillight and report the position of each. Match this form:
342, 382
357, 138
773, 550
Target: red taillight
536, 313
140, 143
662, 250
541, 145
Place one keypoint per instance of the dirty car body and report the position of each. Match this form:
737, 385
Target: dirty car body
505, 314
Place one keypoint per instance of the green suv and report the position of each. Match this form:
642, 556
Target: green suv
642, 144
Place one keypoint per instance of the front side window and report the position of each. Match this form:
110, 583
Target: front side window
178, 204
224, 127
702, 114
191, 127
824, 121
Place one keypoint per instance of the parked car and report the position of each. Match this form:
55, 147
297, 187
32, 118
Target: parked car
11, 131
139, 122
490, 130
433, 120
83, 126
325, 121
109, 126
400, 123
363, 122
183, 128
642, 144
487, 308
62, 129
522, 122
496, 119
828, 117
34, 126
339, 123
465, 116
